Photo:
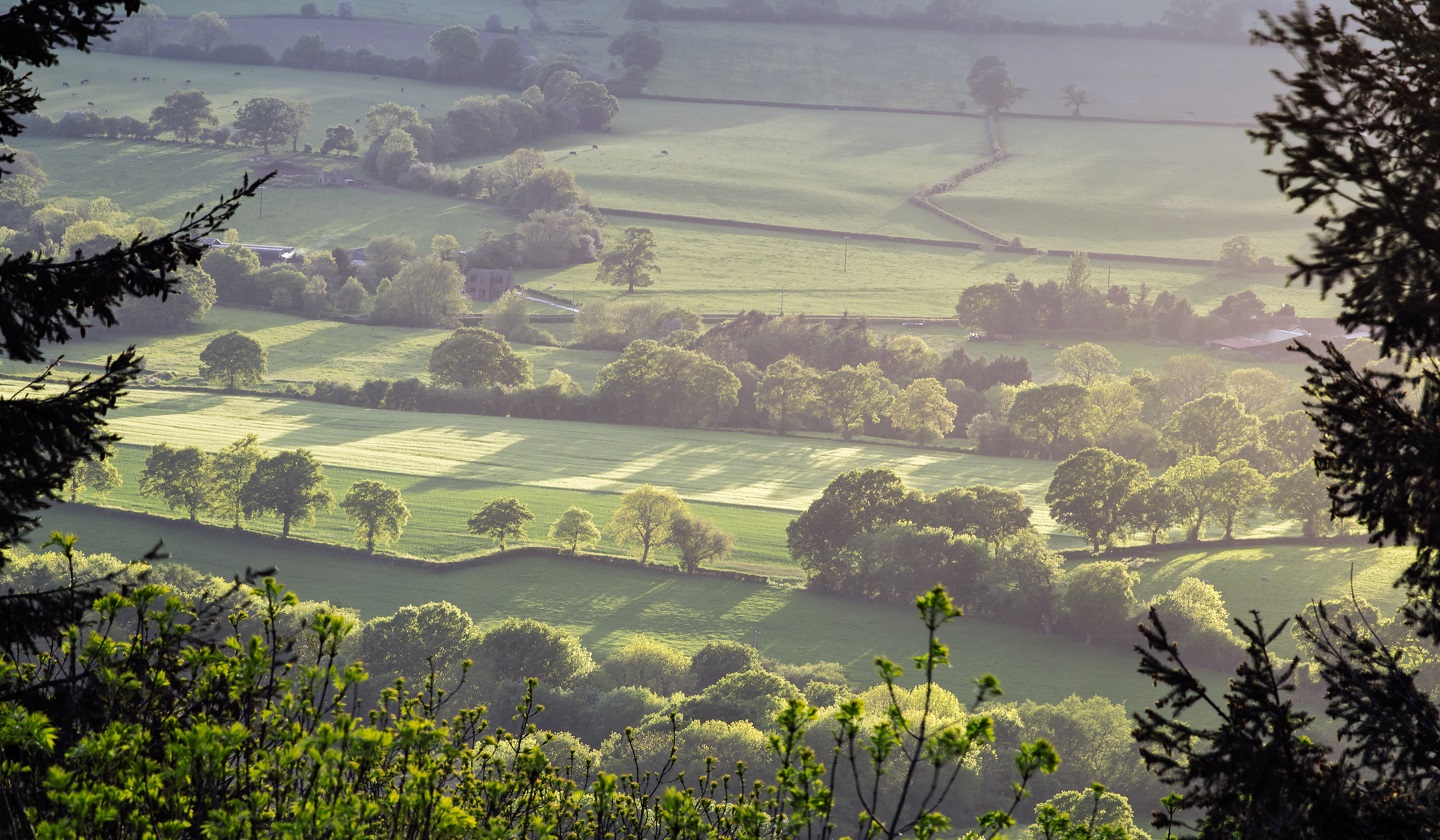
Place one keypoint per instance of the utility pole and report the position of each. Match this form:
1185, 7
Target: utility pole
845, 259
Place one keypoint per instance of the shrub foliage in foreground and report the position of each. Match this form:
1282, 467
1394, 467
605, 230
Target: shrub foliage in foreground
154, 716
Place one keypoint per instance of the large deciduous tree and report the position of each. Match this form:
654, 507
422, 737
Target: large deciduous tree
267, 120
179, 477
631, 261
786, 391
428, 292
644, 517
206, 31
698, 540
378, 511
501, 520
518, 648
1086, 363
922, 412
182, 114
290, 485
1093, 492
229, 470
1215, 424
575, 529
457, 54
852, 397
474, 357
233, 358
854, 503
1048, 414
1099, 596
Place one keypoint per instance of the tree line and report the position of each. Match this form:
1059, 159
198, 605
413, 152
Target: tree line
242, 482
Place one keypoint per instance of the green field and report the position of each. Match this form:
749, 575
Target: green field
1175, 191
301, 350
448, 465
607, 606
834, 170
904, 68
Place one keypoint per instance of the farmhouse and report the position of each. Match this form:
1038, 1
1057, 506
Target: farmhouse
488, 283
268, 254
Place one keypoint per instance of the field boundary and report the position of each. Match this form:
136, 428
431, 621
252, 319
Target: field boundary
872, 237
425, 564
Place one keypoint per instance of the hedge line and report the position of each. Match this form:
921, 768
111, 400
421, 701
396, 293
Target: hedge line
871, 237
424, 564
997, 154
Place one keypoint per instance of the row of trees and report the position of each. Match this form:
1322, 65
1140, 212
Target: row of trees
869, 536
647, 516
1075, 303
1106, 498
1193, 406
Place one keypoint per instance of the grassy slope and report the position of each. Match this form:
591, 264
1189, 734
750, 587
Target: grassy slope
1161, 189
609, 605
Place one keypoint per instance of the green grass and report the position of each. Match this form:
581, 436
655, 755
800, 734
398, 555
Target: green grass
301, 350
447, 465
1177, 191
847, 65
607, 606
717, 270
835, 170
334, 97
1279, 580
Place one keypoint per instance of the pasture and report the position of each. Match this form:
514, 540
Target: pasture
834, 170
1279, 580
751, 483
1174, 191
608, 606
302, 350
905, 68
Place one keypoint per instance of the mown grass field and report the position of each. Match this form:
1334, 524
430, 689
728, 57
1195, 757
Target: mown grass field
848, 65
448, 465
1176, 191
608, 606
302, 350
834, 170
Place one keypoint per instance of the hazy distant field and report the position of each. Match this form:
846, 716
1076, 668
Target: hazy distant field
1167, 190
834, 170
847, 65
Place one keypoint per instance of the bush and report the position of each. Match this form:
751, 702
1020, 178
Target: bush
242, 54
520, 648
648, 663
718, 660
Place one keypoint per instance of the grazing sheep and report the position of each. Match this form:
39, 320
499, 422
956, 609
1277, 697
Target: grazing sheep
64, 84
144, 78
237, 72
234, 102
134, 78
593, 146
357, 121
91, 104
84, 81
664, 152
572, 154
374, 78
104, 110
187, 81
